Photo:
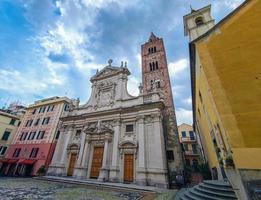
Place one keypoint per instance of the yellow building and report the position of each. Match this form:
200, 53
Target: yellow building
190, 145
8, 127
226, 89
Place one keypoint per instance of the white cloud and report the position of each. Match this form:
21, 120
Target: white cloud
230, 4
20, 83
177, 90
187, 101
138, 57
184, 116
176, 68
133, 84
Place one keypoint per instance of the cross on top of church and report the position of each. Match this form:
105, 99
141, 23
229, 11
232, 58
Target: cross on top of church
110, 61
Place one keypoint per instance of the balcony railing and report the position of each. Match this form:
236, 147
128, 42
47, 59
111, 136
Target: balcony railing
188, 139
191, 152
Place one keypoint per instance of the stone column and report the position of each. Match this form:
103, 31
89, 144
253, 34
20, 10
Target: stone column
114, 169
78, 170
104, 176
65, 144
79, 160
141, 171
86, 153
59, 146
160, 179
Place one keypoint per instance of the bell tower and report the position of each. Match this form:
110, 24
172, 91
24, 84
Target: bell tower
155, 78
198, 22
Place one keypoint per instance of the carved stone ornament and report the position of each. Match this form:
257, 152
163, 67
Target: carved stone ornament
97, 128
105, 95
128, 146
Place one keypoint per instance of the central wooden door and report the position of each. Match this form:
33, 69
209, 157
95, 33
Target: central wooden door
71, 164
96, 162
128, 167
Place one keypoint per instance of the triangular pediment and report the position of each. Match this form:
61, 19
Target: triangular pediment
109, 71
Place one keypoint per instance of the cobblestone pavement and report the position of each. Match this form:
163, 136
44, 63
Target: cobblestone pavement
28, 188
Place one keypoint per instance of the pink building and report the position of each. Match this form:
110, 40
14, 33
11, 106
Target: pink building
35, 140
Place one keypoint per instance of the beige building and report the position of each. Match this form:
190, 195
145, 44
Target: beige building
113, 136
8, 127
192, 151
225, 73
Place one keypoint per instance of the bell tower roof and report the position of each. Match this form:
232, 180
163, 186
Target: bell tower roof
153, 37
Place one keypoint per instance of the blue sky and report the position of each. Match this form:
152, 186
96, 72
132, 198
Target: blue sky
53, 47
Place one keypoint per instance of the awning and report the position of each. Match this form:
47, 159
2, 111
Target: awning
27, 162
11, 161
3, 160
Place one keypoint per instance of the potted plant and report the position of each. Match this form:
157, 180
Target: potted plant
41, 171
229, 161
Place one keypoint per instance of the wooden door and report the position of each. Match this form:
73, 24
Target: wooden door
128, 167
71, 164
96, 162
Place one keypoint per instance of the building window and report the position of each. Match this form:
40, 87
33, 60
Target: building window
31, 135
34, 152
157, 67
194, 148
154, 48
2, 150
129, 128
183, 133
150, 67
29, 122
66, 107
42, 109
199, 112
200, 96
12, 122
170, 155
6, 135
34, 111
40, 135
46, 120
157, 82
23, 136
153, 66
78, 133
16, 152
50, 108
191, 135
57, 135
37, 122
187, 162
199, 21
185, 146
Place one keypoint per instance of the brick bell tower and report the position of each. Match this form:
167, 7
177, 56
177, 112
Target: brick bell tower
155, 77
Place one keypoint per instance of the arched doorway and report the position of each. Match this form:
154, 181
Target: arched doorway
73, 149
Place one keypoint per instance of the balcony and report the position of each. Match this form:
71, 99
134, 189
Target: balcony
191, 153
188, 139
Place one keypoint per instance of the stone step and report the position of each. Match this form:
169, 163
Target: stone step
216, 183
203, 196
213, 188
216, 193
191, 196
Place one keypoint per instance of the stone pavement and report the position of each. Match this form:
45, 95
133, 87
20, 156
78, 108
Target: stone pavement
31, 188
104, 184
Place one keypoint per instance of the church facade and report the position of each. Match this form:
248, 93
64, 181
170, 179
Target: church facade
114, 137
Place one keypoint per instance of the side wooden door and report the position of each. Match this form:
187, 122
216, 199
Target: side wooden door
96, 162
71, 164
128, 167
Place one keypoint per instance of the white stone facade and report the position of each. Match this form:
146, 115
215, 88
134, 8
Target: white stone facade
128, 130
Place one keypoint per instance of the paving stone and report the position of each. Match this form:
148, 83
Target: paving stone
26, 188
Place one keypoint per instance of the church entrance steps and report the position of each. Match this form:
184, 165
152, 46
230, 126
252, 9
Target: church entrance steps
207, 190
96, 183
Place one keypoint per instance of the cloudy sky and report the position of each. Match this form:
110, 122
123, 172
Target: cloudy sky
53, 47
